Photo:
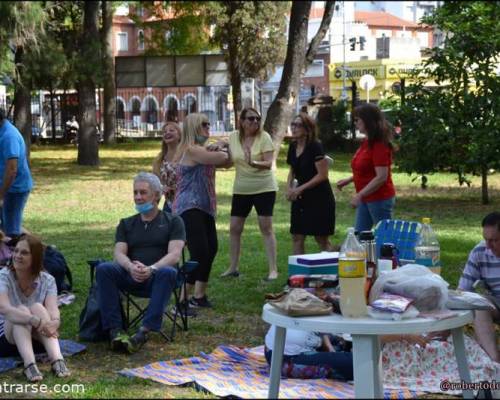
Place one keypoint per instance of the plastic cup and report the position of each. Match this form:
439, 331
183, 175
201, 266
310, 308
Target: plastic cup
384, 266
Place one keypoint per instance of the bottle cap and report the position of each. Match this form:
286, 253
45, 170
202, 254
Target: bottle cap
426, 220
366, 235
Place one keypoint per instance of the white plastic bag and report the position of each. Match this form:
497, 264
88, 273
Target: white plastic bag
429, 291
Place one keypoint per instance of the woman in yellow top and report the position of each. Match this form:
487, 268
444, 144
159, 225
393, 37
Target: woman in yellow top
252, 152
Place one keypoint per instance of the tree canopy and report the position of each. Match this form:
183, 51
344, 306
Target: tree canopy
451, 114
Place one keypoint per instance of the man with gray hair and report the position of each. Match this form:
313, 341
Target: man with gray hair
147, 246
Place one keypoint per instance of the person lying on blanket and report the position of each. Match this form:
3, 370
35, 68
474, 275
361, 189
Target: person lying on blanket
311, 355
28, 303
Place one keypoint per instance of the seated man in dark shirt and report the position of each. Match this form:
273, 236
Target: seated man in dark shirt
148, 245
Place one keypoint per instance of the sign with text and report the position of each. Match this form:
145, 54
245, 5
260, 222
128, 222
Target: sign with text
337, 74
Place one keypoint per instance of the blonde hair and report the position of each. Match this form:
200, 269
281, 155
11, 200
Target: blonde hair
243, 115
164, 147
191, 127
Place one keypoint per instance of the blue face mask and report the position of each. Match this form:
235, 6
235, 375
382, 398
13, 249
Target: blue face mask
144, 208
200, 139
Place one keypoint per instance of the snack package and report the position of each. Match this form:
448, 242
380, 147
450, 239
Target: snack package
391, 303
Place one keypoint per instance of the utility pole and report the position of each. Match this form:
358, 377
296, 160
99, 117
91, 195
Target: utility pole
344, 93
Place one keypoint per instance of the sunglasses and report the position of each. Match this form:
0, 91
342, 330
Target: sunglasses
253, 119
205, 124
296, 125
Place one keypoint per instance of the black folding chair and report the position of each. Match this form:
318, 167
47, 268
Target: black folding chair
135, 309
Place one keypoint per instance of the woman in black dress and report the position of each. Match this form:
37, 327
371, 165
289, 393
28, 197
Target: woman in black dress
313, 203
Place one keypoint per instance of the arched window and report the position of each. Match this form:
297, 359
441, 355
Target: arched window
172, 113
136, 113
140, 40
120, 109
190, 105
151, 111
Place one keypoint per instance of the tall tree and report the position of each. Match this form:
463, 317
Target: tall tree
453, 125
252, 36
299, 56
108, 65
22, 21
88, 149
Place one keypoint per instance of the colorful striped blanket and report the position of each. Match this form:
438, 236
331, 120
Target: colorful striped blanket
244, 373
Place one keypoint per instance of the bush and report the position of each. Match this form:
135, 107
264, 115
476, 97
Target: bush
333, 125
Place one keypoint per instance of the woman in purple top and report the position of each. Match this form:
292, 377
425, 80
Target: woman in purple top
195, 200
28, 302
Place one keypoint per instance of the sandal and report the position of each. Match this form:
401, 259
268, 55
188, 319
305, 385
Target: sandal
32, 373
60, 369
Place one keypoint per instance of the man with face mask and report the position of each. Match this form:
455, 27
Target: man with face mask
147, 246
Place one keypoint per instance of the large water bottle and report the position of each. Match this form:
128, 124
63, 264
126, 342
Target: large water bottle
427, 250
352, 277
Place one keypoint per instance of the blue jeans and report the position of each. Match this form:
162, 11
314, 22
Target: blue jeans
12, 212
339, 362
111, 277
368, 214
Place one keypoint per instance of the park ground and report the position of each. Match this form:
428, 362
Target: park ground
78, 208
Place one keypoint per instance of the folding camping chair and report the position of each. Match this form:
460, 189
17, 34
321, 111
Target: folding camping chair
404, 234
133, 304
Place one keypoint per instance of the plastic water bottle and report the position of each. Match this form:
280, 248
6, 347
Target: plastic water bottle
427, 250
352, 277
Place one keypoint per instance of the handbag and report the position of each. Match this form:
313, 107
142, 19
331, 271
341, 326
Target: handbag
299, 302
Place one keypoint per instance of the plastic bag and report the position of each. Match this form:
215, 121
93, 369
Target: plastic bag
411, 312
428, 290
458, 300
391, 303
298, 302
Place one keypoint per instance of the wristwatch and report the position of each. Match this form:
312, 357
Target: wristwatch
153, 268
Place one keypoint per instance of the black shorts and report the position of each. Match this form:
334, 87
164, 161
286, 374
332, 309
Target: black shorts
10, 350
241, 204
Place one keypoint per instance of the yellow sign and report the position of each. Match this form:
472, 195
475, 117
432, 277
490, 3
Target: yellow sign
400, 70
336, 73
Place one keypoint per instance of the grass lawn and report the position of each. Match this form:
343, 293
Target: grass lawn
78, 208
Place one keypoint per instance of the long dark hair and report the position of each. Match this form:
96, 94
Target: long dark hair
377, 128
309, 126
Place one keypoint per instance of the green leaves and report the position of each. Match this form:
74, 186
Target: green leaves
449, 127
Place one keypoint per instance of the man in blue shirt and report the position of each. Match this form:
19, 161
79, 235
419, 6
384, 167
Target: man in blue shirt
484, 265
15, 177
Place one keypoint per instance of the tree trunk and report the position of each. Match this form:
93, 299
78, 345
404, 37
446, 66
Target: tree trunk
484, 185
236, 86
234, 69
297, 60
88, 150
109, 87
22, 101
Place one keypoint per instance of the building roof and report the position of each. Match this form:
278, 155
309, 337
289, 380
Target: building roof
381, 18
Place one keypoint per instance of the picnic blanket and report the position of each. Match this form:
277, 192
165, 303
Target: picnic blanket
415, 368
244, 373
68, 348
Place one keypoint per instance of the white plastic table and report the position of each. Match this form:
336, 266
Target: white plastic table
365, 332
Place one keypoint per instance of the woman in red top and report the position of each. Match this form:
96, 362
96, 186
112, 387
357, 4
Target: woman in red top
371, 169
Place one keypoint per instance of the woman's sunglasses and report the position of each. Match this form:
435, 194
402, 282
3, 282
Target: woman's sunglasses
205, 124
253, 119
